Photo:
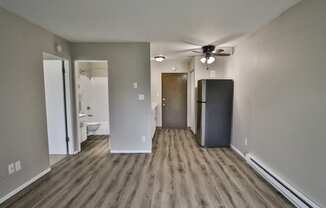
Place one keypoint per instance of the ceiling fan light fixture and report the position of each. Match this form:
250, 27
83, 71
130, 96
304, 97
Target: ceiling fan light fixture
210, 60
203, 60
207, 59
159, 58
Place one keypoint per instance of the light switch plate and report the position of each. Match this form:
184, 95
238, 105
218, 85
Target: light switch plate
135, 84
11, 168
141, 97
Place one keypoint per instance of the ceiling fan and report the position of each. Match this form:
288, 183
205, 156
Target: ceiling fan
210, 51
207, 52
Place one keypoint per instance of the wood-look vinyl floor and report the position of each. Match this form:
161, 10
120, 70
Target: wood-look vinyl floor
177, 174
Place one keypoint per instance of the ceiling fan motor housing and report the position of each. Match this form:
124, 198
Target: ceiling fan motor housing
208, 49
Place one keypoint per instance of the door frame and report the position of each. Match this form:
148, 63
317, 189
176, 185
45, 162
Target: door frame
68, 106
175, 73
77, 119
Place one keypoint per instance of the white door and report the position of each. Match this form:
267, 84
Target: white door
53, 83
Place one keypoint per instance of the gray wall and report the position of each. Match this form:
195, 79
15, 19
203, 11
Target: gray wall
23, 129
23, 132
201, 71
280, 97
129, 117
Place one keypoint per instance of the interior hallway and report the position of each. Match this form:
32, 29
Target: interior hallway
177, 174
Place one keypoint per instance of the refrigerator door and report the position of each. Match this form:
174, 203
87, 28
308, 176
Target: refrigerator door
219, 105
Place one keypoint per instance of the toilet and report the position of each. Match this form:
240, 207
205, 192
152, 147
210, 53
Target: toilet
92, 127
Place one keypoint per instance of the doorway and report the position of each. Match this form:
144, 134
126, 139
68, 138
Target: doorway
174, 100
58, 109
92, 102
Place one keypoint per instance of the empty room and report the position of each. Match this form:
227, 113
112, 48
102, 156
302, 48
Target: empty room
162, 104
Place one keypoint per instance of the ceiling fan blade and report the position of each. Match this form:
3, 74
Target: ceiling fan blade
194, 42
179, 52
223, 54
227, 39
218, 51
191, 49
197, 51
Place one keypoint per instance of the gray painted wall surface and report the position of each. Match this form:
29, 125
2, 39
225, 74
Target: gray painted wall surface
280, 97
23, 131
129, 117
201, 71
23, 114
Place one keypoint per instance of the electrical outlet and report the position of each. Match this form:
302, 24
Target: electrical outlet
143, 138
11, 168
18, 165
141, 97
246, 141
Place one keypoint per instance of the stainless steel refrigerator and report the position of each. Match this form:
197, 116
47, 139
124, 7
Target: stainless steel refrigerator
214, 112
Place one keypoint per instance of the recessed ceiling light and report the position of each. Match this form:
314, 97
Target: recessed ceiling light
159, 58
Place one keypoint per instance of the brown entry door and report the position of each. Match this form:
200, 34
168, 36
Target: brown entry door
174, 100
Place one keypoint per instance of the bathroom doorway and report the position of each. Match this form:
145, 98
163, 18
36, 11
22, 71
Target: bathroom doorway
57, 84
92, 101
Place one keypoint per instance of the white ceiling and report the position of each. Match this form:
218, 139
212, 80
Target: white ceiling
166, 23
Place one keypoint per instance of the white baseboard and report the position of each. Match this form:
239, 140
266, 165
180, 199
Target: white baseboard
131, 151
298, 198
238, 152
29, 182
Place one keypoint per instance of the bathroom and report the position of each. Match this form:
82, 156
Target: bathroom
92, 99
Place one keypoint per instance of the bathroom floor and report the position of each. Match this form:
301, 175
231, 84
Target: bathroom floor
91, 138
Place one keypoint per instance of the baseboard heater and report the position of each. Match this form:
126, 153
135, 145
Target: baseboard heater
294, 196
